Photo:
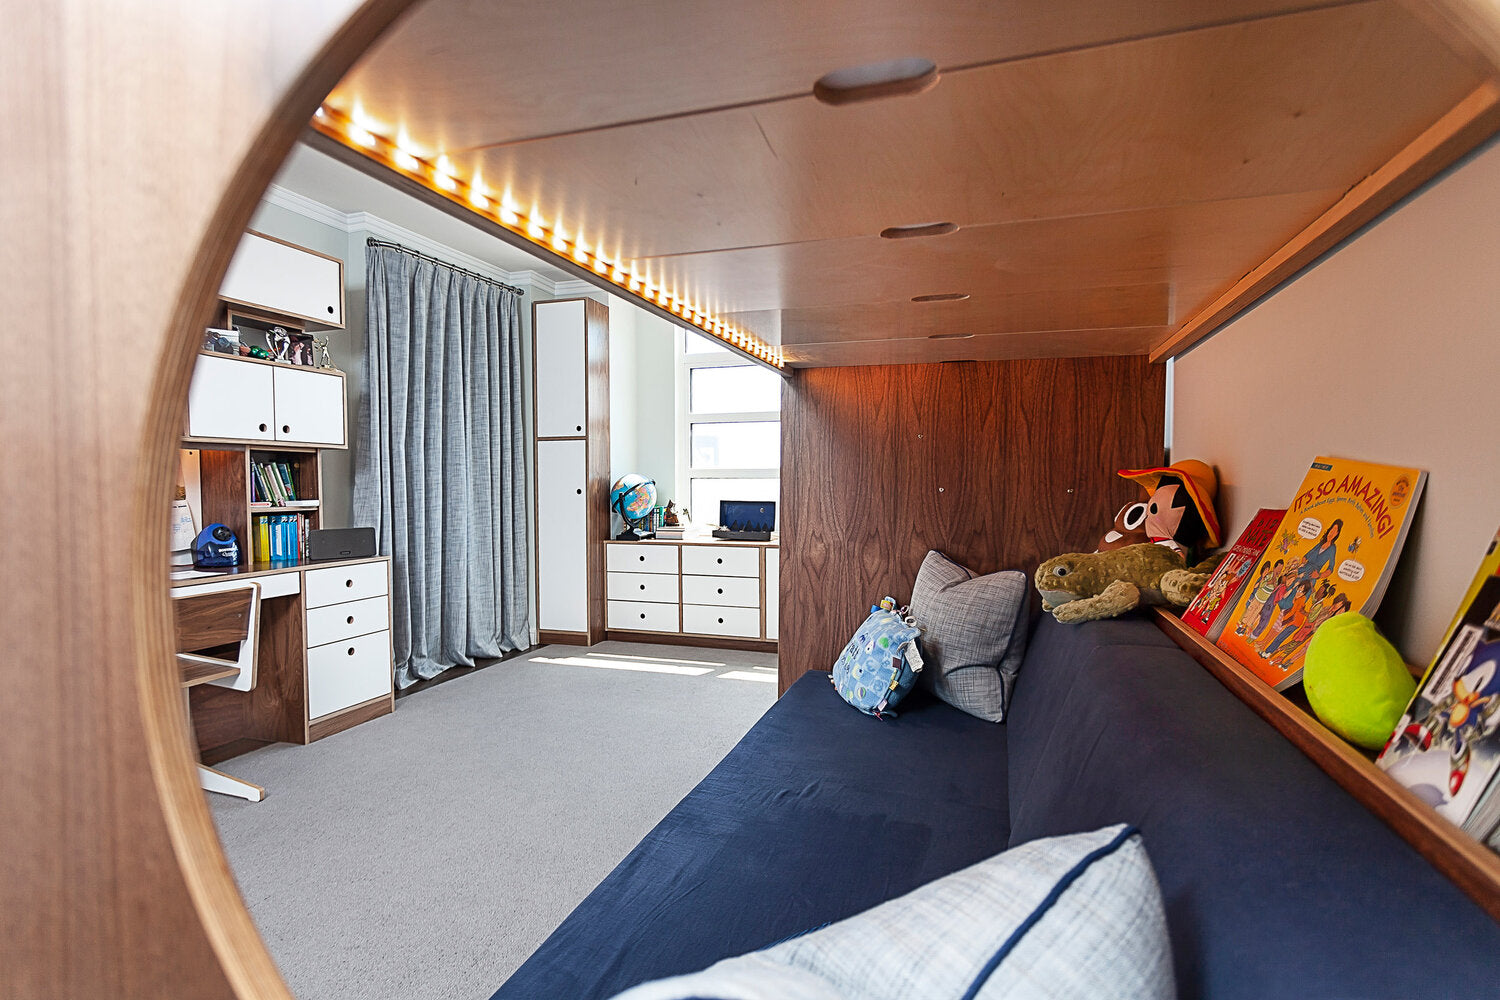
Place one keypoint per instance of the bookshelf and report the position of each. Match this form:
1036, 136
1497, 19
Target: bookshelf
225, 474
1471, 866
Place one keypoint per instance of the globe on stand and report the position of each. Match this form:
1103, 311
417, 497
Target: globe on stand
633, 497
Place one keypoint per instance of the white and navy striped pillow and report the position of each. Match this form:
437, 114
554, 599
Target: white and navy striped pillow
1076, 916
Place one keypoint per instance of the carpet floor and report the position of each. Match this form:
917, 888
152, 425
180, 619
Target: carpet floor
428, 853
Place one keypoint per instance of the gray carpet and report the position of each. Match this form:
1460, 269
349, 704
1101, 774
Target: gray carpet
426, 854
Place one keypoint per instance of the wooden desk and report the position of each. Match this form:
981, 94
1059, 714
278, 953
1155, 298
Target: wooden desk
325, 657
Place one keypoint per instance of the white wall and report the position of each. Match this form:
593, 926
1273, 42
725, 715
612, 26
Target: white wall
656, 403
1385, 351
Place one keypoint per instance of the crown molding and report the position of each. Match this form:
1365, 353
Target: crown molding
365, 222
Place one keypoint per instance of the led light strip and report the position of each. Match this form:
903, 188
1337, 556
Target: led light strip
440, 176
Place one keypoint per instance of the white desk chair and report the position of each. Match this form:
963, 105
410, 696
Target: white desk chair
226, 612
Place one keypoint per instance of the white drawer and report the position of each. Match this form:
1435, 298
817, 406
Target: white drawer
643, 616
346, 673
637, 558
335, 622
734, 591
720, 560
345, 583
721, 621
654, 588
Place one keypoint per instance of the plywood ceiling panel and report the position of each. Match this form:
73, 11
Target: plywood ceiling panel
1307, 101
1113, 168
475, 72
1180, 245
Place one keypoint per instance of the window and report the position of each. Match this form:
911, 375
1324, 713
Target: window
728, 428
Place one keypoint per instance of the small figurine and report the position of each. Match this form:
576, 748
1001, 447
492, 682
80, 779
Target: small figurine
321, 356
280, 342
669, 519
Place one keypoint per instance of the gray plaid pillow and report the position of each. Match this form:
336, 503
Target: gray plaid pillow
973, 634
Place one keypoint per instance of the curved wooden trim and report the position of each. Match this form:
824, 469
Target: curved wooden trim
247, 964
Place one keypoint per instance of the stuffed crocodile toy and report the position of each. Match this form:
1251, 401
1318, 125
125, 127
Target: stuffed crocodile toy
1087, 586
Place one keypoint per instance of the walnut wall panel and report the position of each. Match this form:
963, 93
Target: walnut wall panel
998, 464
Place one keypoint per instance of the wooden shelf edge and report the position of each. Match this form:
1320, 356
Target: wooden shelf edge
1470, 865
1464, 127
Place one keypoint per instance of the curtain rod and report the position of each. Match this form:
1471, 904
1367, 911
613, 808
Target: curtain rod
373, 242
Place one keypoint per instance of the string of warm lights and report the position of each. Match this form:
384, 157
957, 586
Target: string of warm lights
439, 175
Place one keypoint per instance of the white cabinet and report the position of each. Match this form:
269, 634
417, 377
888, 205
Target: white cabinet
773, 592
241, 399
231, 399
309, 406
714, 591
287, 280
561, 369
570, 353
562, 535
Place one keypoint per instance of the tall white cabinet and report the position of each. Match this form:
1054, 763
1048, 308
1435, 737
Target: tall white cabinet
570, 344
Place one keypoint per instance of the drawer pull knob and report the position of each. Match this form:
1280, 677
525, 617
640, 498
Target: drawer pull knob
330, 310
643, 558
286, 428
351, 650
348, 583
643, 586
578, 428
643, 616
263, 428
579, 492
720, 560
350, 619
721, 621
721, 590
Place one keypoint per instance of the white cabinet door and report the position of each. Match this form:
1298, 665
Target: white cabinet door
347, 673
562, 535
286, 280
309, 406
560, 370
773, 591
230, 399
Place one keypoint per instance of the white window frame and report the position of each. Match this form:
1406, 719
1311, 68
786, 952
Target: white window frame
685, 419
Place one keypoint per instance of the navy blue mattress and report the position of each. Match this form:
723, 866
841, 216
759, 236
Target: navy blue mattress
819, 812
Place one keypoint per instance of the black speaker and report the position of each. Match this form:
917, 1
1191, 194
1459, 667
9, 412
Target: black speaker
341, 543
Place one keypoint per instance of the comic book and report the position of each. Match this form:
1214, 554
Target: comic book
1446, 747
1334, 551
1209, 611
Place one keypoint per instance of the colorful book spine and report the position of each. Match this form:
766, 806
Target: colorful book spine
1334, 551
1209, 611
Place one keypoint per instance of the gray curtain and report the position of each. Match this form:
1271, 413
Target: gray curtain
441, 473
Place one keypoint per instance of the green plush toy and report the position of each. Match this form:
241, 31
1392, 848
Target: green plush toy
1355, 680
1088, 586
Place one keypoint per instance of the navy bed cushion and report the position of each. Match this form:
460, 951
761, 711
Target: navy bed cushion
1276, 881
819, 812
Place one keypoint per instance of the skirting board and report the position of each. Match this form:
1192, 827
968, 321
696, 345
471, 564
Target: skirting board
687, 639
554, 637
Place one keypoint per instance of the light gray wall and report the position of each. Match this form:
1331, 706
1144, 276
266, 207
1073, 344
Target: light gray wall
656, 403
1385, 351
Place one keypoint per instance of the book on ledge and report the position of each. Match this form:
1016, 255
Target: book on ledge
1446, 747
1334, 551
1210, 609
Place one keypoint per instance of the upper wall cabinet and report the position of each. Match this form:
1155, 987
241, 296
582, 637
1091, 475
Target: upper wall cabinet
241, 399
561, 371
286, 280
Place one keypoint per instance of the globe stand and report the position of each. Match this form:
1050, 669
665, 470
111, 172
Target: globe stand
633, 532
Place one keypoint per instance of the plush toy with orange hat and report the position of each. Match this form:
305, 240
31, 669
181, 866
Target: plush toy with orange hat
1147, 557
1178, 511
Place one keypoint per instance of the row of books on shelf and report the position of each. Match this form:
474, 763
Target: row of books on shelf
278, 537
273, 485
1331, 550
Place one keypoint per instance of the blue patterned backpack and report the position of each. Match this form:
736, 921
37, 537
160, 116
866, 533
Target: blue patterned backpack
881, 663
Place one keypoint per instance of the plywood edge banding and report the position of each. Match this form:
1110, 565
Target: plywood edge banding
1474, 119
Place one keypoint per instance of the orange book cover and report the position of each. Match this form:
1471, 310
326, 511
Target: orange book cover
1334, 551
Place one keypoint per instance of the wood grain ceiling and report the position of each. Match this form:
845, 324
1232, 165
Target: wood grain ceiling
1113, 168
